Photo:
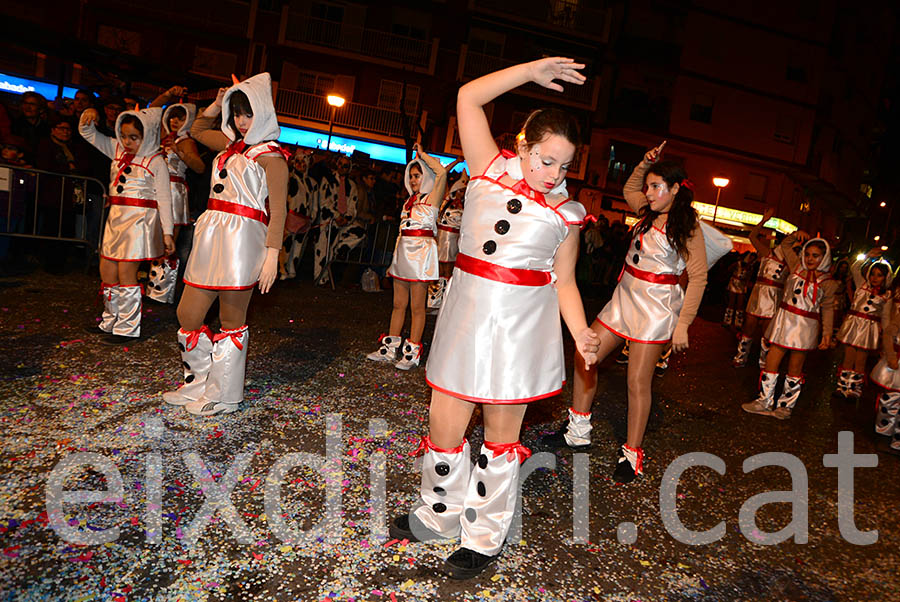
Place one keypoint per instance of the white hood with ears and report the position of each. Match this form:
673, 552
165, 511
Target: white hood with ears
191, 112
889, 277
150, 119
826, 260
265, 122
427, 177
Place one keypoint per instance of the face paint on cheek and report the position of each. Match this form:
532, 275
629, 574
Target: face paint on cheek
534, 158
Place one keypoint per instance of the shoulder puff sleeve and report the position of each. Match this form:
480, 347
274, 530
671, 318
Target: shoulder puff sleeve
572, 212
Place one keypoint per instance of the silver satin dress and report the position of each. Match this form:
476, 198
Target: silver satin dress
862, 324
416, 256
766, 293
641, 310
882, 374
229, 249
798, 331
739, 279
132, 233
494, 341
448, 234
181, 212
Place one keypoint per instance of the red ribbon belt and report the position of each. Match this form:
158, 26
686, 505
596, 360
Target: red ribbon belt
132, 202
514, 450
492, 271
860, 314
428, 233
767, 282
237, 209
800, 312
651, 276
448, 229
177, 179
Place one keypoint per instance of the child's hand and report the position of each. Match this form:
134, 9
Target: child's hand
652, 155
769, 214
826, 342
176, 92
269, 271
544, 71
680, 339
89, 116
587, 342
220, 97
169, 244
893, 364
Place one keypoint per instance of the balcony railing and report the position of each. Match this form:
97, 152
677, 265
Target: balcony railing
302, 29
475, 64
366, 118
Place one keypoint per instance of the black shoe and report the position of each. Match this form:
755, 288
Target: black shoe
622, 358
660, 369
93, 329
402, 528
465, 563
117, 339
624, 472
557, 440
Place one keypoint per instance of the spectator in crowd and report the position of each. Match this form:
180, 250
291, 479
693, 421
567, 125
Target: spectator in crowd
342, 230
5, 122
31, 124
84, 99
111, 109
58, 152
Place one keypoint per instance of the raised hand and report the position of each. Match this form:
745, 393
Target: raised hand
544, 71
652, 155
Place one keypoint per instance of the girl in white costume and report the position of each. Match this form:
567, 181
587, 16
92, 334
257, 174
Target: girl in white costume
181, 153
808, 296
415, 262
886, 373
860, 331
236, 244
139, 224
648, 307
765, 296
448, 239
498, 340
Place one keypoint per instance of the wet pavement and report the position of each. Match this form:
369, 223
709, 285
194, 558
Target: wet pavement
62, 393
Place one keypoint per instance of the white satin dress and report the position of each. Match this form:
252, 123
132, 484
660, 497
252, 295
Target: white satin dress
415, 253
498, 337
230, 236
133, 231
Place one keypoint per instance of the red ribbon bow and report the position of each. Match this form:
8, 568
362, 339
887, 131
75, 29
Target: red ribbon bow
688, 184
513, 451
125, 160
234, 334
522, 187
409, 204
639, 466
193, 337
590, 217
235, 148
425, 444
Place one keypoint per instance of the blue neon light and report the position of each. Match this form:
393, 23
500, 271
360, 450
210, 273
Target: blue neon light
20, 85
342, 144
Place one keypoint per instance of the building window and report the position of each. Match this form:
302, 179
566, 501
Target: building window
214, 62
486, 42
410, 23
122, 40
390, 93
756, 187
785, 129
327, 12
702, 108
564, 13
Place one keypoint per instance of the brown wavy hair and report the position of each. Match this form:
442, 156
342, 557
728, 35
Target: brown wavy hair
682, 217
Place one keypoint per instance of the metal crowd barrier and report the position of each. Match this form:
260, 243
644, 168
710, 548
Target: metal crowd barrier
376, 249
73, 214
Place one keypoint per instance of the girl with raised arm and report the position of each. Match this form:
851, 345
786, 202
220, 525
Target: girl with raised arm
236, 244
139, 224
415, 262
648, 307
498, 340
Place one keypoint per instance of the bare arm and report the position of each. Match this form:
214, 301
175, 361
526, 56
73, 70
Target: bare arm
571, 307
758, 235
187, 151
478, 145
440, 177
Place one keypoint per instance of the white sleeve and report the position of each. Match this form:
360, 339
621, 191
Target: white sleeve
163, 193
101, 142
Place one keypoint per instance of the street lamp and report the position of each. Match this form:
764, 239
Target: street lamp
883, 204
335, 101
719, 183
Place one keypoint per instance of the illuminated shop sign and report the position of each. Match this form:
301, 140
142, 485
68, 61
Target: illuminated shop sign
20, 85
345, 145
736, 217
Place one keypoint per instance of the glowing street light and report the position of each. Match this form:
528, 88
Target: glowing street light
884, 247
877, 238
335, 101
720, 183
883, 204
